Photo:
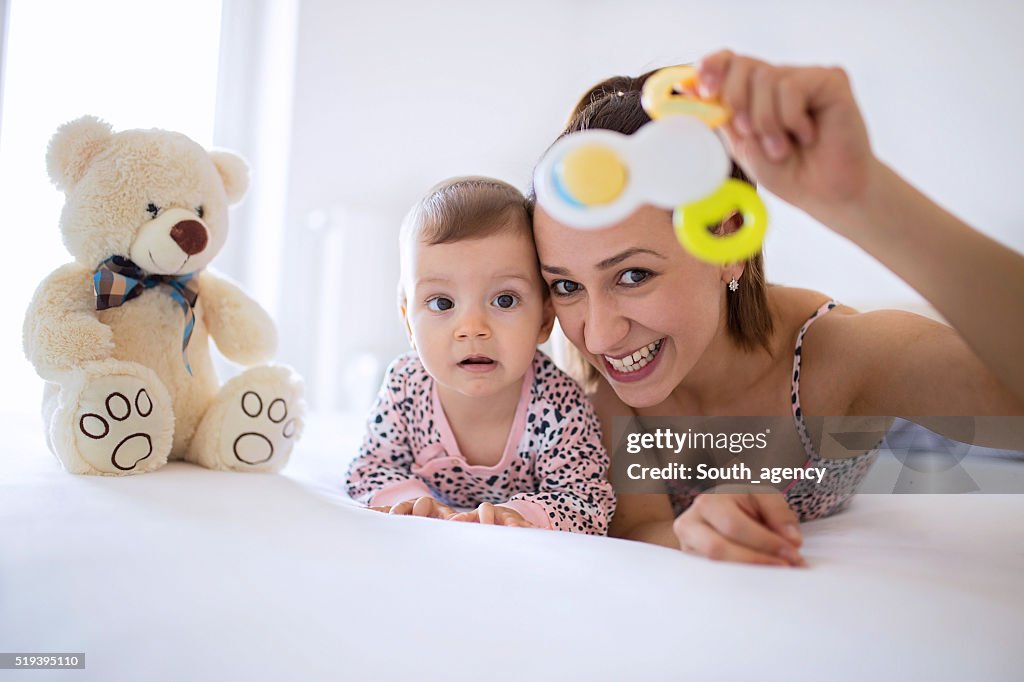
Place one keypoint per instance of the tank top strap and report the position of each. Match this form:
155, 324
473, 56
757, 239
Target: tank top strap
798, 415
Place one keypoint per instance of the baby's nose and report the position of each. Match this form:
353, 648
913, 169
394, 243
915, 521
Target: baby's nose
472, 325
190, 235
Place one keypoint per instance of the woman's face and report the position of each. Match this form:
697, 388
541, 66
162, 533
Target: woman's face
639, 308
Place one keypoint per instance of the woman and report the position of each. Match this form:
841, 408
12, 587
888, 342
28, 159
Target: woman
706, 350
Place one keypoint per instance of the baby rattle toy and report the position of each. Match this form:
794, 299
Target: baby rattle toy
595, 178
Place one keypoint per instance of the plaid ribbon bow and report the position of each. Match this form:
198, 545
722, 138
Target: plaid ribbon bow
118, 280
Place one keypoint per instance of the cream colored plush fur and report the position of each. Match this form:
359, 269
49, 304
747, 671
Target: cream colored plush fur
118, 397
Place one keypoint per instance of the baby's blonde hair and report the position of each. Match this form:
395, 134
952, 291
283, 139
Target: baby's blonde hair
460, 208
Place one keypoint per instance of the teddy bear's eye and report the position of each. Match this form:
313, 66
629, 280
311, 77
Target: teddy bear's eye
199, 211
153, 208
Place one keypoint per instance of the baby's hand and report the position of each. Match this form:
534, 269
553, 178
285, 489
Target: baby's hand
498, 516
424, 506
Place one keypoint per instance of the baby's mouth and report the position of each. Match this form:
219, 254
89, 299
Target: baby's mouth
476, 360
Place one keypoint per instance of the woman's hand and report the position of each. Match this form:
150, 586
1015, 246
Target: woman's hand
423, 506
488, 513
753, 528
796, 130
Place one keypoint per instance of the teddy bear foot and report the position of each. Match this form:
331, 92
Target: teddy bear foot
253, 422
113, 424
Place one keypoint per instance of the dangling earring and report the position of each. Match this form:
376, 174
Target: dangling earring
733, 284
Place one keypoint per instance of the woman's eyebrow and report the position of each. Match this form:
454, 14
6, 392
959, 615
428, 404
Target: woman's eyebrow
618, 258
607, 262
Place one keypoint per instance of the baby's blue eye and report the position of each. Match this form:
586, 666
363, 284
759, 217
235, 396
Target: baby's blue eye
440, 304
634, 276
505, 301
565, 287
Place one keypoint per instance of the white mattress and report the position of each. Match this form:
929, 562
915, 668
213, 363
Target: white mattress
193, 574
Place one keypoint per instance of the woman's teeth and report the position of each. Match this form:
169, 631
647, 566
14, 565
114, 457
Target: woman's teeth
638, 360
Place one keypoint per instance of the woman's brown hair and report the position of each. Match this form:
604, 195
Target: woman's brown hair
614, 104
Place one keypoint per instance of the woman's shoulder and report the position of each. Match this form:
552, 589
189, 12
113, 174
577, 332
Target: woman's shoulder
793, 307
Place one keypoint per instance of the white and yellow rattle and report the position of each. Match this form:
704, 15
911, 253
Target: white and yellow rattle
596, 178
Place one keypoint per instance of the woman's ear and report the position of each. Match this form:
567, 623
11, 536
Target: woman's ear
547, 321
733, 271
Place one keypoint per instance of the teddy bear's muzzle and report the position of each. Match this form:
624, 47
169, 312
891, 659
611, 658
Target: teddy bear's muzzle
190, 235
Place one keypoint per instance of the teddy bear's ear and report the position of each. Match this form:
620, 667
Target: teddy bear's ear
234, 173
73, 147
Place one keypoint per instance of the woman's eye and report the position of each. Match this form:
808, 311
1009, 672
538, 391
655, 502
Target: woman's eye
152, 209
633, 276
200, 211
564, 287
505, 301
439, 304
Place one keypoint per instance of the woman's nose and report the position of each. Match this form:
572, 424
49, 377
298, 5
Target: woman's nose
472, 324
604, 326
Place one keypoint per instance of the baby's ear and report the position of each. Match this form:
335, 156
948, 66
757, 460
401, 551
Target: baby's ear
234, 173
547, 322
73, 147
408, 327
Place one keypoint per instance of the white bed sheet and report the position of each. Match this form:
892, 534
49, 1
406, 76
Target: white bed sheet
193, 574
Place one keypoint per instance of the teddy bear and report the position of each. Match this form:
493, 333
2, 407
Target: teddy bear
121, 335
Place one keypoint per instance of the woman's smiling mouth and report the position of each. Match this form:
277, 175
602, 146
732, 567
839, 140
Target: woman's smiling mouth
630, 367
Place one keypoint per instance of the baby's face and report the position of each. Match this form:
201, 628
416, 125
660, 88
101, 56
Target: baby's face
476, 311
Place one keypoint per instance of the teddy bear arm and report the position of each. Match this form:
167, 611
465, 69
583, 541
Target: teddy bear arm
241, 328
61, 330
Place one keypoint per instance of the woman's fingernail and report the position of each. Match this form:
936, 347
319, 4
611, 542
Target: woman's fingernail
791, 556
774, 147
707, 84
791, 532
741, 122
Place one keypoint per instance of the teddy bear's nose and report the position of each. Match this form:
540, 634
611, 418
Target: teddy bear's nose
190, 235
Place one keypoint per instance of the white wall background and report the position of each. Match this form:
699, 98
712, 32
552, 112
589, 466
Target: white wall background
391, 97
349, 111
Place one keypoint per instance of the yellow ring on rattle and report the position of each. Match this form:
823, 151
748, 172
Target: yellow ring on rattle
692, 220
662, 96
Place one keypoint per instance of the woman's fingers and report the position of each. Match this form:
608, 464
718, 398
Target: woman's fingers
774, 103
748, 527
792, 104
776, 514
739, 527
700, 538
710, 71
764, 114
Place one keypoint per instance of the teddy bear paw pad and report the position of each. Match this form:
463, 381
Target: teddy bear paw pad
269, 431
113, 433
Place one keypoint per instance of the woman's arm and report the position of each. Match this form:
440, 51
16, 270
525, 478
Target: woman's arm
974, 282
799, 132
751, 528
901, 364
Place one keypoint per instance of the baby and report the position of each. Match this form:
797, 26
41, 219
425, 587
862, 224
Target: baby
476, 417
